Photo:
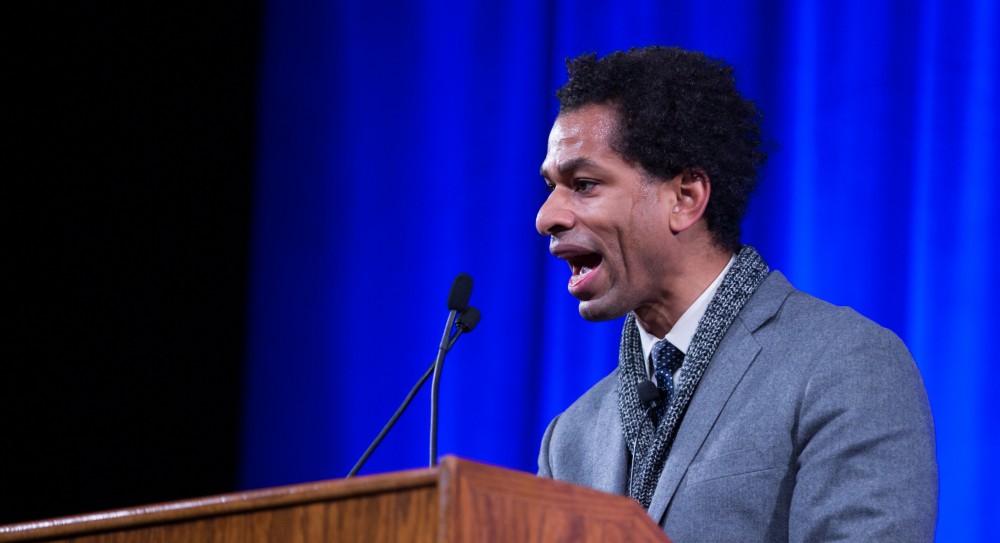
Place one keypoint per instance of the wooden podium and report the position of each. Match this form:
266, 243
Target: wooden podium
460, 501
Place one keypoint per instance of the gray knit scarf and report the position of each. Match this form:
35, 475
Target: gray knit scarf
651, 445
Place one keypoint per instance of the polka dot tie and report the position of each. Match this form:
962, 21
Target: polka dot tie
666, 360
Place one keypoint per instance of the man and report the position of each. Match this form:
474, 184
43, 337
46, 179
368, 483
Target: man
775, 416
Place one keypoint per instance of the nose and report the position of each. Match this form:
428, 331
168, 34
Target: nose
555, 215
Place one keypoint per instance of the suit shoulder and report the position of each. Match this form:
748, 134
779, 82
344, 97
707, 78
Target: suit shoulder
801, 321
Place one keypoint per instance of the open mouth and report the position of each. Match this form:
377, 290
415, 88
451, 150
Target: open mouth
582, 266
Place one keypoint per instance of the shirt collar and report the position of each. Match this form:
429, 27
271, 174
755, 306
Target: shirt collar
683, 331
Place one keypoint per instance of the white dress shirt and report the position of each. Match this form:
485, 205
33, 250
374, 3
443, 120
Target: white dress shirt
683, 331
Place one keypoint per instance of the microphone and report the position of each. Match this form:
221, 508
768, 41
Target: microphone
461, 290
468, 318
649, 397
466, 322
458, 302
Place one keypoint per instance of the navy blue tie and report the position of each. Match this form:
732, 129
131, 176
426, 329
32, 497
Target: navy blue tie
666, 360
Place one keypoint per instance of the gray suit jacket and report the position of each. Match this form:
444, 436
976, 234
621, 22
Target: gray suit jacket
811, 423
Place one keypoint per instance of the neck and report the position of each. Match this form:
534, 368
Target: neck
692, 276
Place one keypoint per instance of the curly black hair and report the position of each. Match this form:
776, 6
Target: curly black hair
677, 110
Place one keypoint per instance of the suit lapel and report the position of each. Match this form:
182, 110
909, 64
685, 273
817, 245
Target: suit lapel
727, 368
729, 364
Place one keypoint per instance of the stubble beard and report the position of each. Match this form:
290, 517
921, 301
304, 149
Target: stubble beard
594, 310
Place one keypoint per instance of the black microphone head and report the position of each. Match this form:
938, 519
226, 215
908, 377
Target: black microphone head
461, 291
648, 392
469, 319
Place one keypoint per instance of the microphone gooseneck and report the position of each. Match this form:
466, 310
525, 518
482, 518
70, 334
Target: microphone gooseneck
458, 302
392, 422
461, 318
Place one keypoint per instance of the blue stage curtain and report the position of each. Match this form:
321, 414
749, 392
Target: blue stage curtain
399, 145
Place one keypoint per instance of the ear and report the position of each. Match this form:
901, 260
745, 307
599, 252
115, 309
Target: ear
691, 189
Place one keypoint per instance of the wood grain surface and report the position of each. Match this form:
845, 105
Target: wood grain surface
460, 501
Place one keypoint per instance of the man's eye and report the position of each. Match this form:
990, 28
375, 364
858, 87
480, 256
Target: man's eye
549, 187
583, 185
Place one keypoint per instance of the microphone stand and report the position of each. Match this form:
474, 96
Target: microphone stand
467, 320
464, 318
392, 421
436, 383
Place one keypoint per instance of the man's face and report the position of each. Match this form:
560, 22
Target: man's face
607, 218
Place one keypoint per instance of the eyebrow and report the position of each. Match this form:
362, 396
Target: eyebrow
570, 165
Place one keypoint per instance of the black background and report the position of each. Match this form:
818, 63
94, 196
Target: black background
128, 189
